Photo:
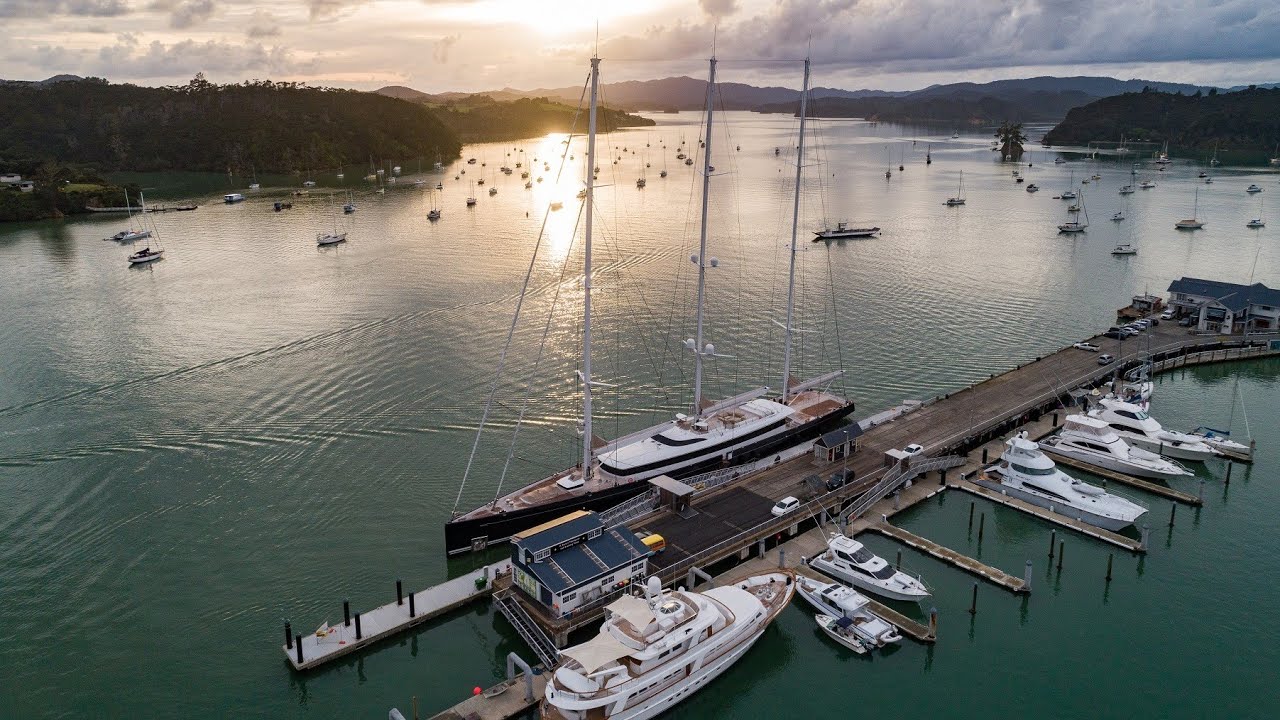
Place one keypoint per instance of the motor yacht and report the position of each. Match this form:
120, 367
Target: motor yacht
849, 560
840, 601
842, 231
1253, 189
1026, 473
655, 651
1124, 249
1140, 430
1093, 442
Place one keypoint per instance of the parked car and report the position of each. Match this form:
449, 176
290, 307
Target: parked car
1185, 322
838, 479
784, 506
1154, 321
1143, 323
1090, 347
1166, 315
1105, 359
913, 449
1115, 332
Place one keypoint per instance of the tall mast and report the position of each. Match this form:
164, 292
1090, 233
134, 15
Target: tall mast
587, 437
795, 222
702, 248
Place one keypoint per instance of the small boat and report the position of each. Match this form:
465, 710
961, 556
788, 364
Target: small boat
145, 255
1221, 442
581, 194
1125, 249
1255, 223
1203, 174
640, 183
842, 231
471, 199
1026, 473
330, 238
841, 630
129, 235
231, 198
959, 197
1208, 181
688, 161
1058, 161
663, 173
341, 175
1096, 177
849, 560
1073, 208
1072, 226
1068, 195
348, 208
278, 206
1118, 216
255, 186
1033, 188
1137, 428
433, 214
1191, 223
955, 136
839, 601
439, 186
309, 183
528, 185
1146, 184
493, 191
1253, 189
1126, 189
1092, 441
471, 202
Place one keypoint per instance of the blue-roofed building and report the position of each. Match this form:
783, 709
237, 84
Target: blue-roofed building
575, 559
1226, 308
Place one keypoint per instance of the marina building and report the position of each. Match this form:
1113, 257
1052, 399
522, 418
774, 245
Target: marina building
574, 560
1226, 308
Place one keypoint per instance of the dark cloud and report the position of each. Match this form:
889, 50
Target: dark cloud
50, 8
262, 25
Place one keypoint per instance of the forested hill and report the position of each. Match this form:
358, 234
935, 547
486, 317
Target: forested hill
480, 118
956, 109
1246, 120
270, 127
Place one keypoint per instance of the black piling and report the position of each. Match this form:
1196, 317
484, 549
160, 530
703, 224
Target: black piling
942, 477
297, 644
899, 563
1053, 540
1055, 419
1173, 512
412, 611
982, 521
1110, 558
973, 605
984, 456
1062, 550
971, 504
399, 592
360, 636
1227, 481
346, 613
288, 635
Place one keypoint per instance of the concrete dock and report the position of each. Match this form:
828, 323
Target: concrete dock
991, 574
504, 700
363, 629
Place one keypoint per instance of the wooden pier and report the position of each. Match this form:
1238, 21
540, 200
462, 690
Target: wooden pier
991, 574
360, 630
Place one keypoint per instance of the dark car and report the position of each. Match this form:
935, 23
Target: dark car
839, 479
1114, 332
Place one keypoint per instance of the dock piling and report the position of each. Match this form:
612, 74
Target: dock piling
1227, 481
971, 506
897, 497
942, 476
973, 605
1173, 512
346, 612
1053, 541
1146, 535
1062, 550
288, 635
1055, 420
297, 644
1110, 558
982, 521
898, 565
1200, 493
984, 456
782, 557
1026, 578
933, 622
399, 592
359, 635
412, 610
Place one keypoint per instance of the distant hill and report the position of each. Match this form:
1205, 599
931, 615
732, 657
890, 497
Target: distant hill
482, 118
1245, 122
956, 109
270, 127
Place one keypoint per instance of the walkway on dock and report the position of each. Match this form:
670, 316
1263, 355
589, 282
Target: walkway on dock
1079, 526
991, 574
502, 701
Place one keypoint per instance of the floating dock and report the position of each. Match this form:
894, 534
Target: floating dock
991, 574
1079, 526
360, 630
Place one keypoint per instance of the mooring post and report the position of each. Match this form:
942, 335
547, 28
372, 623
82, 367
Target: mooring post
297, 643
1146, 535
1062, 550
896, 495
1053, 541
399, 592
782, 557
1110, 558
1026, 577
971, 506
942, 477
1200, 493
899, 563
346, 612
933, 622
1228, 479
982, 521
358, 635
288, 635
984, 455
412, 610
1173, 512
1055, 420
973, 605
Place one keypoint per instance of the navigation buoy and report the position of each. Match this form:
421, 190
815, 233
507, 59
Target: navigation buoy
476, 690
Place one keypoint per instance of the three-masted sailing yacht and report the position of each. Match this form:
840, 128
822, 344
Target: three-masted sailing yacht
711, 435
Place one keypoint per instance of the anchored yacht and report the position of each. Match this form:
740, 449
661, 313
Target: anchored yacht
1028, 474
840, 601
654, 651
1139, 429
849, 560
1092, 441
842, 230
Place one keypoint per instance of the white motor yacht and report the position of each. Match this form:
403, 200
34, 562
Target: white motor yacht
130, 235
849, 560
840, 601
842, 630
1028, 474
1124, 249
842, 230
654, 651
1139, 429
1253, 189
1093, 442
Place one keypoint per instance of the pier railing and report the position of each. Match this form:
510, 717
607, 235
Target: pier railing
898, 475
528, 628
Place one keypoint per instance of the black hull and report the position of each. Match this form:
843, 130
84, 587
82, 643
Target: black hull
465, 535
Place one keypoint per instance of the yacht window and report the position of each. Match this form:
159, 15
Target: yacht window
1050, 493
884, 573
863, 555
664, 440
1032, 471
844, 556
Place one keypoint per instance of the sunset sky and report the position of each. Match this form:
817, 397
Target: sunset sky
437, 45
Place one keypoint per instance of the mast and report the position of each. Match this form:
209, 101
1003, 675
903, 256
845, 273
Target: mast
587, 448
702, 248
795, 222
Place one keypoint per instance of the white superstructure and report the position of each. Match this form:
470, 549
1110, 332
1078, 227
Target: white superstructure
839, 601
849, 560
1139, 429
1092, 441
654, 651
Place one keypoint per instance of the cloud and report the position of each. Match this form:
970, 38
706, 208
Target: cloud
128, 58
191, 13
263, 24
718, 8
440, 51
51, 8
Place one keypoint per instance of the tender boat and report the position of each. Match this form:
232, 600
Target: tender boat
1093, 442
1118, 216
231, 198
842, 230
145, 255
841, 629
654, 651
849, 560
1028, 474
1253, 189
1033, 188
840, 601
1125, 249
129, 235
1139, 429
330, 238
433, 214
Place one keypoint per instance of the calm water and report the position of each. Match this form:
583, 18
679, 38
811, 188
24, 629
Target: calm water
254, 428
